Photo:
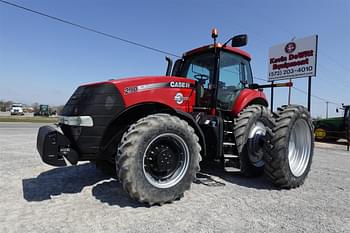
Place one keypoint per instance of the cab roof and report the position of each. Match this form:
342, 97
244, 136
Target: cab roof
225, 48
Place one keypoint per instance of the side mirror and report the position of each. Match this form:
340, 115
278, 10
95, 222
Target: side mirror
240, 40
336, 110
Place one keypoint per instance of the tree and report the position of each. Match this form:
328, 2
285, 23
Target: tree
8, 105
2, 106
35, 107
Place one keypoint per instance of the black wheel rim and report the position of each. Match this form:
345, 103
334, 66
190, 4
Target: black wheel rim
165, 160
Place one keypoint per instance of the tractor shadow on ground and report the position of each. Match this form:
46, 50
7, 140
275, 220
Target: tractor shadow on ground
106, 189
72, 180
112, 193
209, 171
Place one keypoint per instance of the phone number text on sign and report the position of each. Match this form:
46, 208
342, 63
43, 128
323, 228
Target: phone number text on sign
305, 70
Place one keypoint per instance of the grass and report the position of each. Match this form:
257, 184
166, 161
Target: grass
36, 119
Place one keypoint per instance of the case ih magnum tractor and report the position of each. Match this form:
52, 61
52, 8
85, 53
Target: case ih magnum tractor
155, 130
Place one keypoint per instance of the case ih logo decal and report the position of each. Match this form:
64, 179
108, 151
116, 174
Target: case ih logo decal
146, 87
180, 84
290, 47
179, 98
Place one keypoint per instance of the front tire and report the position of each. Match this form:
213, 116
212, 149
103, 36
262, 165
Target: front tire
158, 158
292, 147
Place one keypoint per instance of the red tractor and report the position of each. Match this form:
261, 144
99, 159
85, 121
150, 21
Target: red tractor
155, 130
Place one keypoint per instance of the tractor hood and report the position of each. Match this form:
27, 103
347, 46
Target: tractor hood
159, 89
142, 80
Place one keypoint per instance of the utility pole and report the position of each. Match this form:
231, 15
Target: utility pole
327, 109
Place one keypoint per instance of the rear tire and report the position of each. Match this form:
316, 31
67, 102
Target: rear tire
254, 118
292, 147
158, 158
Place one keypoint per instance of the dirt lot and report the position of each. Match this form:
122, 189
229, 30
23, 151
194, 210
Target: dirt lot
39, 198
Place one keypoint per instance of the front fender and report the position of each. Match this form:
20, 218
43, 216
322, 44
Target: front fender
130, 115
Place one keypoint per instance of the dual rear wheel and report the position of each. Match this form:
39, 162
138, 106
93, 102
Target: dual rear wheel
290, 157
280, 146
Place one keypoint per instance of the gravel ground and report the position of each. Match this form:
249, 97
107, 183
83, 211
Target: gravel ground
39, 198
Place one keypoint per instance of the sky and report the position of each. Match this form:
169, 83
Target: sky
44, 61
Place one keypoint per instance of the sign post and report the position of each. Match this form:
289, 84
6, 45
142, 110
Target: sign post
309, 94
294, 59
272, 82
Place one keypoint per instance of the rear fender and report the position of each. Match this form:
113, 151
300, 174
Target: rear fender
248, 97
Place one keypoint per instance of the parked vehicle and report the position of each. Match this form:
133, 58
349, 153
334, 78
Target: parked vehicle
44, 110
156, 129
333, 129
17, 109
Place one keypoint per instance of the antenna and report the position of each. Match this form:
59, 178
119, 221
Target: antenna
214, 34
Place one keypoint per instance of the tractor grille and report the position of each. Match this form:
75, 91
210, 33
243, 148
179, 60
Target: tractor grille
102, 102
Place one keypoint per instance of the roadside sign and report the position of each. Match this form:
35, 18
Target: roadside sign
294, 59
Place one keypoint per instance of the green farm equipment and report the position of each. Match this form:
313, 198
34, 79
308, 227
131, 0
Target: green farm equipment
43, 110
333, 129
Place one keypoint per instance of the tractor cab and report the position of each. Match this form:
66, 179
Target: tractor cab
221, 72
224, 74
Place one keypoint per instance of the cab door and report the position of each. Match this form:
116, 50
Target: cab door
234, 73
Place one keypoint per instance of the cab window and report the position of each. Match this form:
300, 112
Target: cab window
200, 68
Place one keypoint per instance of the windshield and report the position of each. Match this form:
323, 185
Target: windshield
16, 105
199, 67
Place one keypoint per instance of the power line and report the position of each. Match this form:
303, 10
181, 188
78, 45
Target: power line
317, 97
304, 92
335, 62
261, 79
90, 29
342, 82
